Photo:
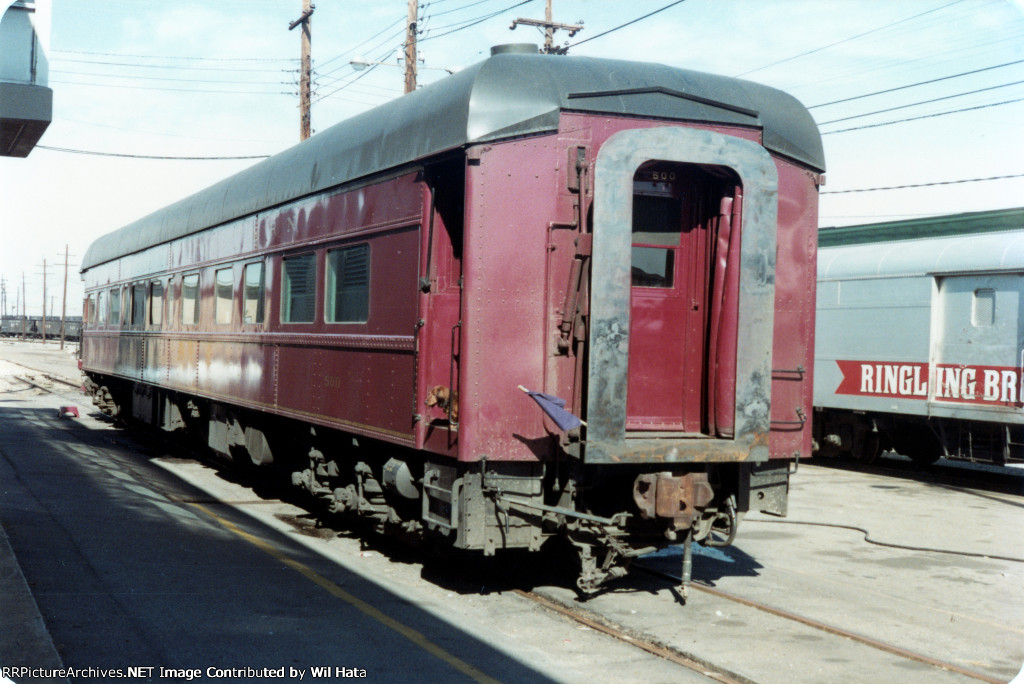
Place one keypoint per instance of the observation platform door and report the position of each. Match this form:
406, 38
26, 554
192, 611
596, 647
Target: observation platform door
665, 386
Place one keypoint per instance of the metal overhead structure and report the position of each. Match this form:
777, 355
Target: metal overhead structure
26, 103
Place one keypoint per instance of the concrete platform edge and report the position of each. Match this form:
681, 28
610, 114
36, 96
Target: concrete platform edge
25, 641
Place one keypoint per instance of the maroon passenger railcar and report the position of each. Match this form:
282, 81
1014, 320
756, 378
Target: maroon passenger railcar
361, 310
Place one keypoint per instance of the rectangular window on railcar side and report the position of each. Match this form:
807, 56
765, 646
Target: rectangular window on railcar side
138, 311
255, 288
156, 303
983, 308
348, 284
224, 296
190, 299
169, 293
115, 306
298, 289
101, 308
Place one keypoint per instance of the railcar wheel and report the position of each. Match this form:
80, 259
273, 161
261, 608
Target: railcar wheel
870, 449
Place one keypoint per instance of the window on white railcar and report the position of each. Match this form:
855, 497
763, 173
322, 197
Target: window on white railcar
348, 284
115, 306
225, 296
298, 292
156, 302
190, 299
983, 309
255, 286
90, 310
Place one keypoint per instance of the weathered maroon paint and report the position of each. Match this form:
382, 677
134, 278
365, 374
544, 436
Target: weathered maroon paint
795, 291
499, 331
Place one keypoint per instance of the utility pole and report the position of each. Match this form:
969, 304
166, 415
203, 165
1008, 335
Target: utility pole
24, 308
305, 70
549, 27
64, 298
44, 302
410, 46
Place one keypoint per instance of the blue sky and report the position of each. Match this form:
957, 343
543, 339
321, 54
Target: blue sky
190, 78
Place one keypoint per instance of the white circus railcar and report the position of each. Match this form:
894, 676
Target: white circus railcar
920, 338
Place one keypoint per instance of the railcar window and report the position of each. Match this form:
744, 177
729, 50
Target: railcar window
115, 307
255, 287
170, 299
657, 229
138, 315
190, 299
983, 309
298, 293
225, 296
156, 302
348, 284
90, 310
101, 308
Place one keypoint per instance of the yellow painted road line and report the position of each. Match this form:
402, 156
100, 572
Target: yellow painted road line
354, 601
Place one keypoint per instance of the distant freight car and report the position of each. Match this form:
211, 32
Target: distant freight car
633, 243
31, 327
920, 338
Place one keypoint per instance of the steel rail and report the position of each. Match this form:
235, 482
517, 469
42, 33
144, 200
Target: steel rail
830, 629
608, 628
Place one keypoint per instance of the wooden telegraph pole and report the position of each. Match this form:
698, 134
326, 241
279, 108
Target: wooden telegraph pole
410, 46
43, 331
306, 68
64, 299
550, 27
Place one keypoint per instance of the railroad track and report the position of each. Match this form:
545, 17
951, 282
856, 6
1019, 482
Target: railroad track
641, 641
33, 382
824, 627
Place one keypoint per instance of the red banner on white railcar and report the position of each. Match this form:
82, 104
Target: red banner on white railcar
990, 385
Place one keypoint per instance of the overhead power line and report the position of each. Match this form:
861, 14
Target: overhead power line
175, 90
621, 26
456, 9
146, 156
361, 74
165, 78
914, 85
923, 185
473, 22
915, 104
356, 47
193, 57
846, 40
926, 116
167, 66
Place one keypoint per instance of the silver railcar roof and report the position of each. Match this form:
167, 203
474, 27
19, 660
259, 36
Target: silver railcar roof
985, 252
505, 96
